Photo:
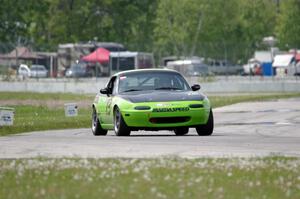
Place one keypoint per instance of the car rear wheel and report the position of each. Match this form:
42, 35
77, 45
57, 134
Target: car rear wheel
181, 131
96, 126
121, 129
208, 128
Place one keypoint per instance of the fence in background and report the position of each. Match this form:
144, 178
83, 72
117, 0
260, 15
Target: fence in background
219, 84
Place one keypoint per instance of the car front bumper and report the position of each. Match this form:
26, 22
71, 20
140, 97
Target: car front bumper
167, 114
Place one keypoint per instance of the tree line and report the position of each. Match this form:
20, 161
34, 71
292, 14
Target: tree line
230, 29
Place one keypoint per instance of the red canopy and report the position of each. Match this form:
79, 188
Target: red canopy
297, 57
100, 55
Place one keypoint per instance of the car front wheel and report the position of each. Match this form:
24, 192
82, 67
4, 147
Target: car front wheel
121, 129
96, 126
208, 128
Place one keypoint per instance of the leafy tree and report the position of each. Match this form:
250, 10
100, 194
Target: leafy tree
257, 20
132, 23
288, 26
218, 29
176, 26
61, 21
231, 29
196, 27
13, 27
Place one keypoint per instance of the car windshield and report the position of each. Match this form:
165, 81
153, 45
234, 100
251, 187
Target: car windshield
149, 80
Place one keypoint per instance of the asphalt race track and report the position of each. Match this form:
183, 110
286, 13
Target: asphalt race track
241, 130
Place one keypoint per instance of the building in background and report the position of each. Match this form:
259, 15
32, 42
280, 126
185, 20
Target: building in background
24, 55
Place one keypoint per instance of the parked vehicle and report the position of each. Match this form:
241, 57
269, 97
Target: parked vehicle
78, 70
223, 67
189, 67
23, 71
38, 71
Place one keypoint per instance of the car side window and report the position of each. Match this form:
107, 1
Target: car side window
111, 85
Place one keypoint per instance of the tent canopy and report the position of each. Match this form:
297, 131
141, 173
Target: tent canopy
297, 57
100, 55
283, 60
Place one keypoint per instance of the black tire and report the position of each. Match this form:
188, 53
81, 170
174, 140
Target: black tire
208, 128
96, 126
120, 127
181, 131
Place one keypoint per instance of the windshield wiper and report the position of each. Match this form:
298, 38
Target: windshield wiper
168, 88
130, 90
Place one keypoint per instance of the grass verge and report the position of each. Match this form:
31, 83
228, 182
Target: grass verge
43, 96
272, 177
219, 101
35, 117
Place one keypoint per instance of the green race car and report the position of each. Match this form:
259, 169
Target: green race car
151, 99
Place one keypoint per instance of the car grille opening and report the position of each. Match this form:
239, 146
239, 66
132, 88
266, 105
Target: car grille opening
165, 120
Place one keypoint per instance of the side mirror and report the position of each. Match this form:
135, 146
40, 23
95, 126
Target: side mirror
104, 91
196, 87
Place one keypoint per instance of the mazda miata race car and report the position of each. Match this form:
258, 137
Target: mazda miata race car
151, 99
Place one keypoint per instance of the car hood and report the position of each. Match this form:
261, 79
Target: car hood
162, 96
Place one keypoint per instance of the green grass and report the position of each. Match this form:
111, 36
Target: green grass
43, 96
34, 118
219, 101
272, 177
37, 118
